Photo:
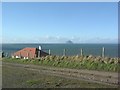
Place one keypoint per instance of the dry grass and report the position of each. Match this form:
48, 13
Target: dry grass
78, 62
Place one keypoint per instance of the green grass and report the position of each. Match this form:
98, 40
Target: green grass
18, 77
74, 62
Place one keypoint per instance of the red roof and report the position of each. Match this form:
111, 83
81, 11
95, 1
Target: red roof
26, 52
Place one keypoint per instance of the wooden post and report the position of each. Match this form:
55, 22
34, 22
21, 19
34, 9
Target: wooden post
64, 52
49, 51
103, 52
6, 55
81, 52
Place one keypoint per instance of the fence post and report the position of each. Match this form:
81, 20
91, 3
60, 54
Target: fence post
64, 52
81, 52
103, 52
49, 51
6, 55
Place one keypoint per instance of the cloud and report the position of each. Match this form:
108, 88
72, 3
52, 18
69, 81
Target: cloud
102, 40
59, 39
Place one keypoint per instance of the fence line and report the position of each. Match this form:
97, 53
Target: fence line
64, 53
81, 51
103, 52
49, 52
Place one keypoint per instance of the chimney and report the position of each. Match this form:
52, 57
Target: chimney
40, 48
39, 51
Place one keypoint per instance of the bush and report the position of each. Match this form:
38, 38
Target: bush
78, 62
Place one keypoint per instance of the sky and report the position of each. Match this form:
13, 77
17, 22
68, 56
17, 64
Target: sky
39, 22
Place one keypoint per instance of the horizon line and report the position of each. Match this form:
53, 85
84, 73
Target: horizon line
59, 43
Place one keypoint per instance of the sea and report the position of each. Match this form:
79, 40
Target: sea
111, 50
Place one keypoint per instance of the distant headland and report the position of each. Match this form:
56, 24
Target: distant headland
69, 42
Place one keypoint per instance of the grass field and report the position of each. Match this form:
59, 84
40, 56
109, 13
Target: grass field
19, 77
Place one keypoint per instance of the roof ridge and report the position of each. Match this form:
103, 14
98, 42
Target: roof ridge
29, 47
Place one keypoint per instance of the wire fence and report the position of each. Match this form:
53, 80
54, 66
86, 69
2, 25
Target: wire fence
103, 52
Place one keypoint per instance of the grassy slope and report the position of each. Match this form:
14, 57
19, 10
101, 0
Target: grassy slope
17, 77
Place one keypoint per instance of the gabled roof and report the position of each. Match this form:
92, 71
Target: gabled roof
26, 52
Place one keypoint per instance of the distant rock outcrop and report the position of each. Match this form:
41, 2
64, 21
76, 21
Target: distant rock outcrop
69, 42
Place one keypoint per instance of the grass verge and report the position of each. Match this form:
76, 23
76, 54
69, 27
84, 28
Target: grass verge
73, 62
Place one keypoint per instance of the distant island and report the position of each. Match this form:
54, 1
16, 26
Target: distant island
69, 42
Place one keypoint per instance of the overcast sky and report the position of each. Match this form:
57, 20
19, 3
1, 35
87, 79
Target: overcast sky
59, 22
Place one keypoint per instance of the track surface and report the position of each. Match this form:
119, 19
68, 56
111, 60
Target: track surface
109, 78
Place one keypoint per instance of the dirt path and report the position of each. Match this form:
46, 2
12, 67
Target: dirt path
109, 78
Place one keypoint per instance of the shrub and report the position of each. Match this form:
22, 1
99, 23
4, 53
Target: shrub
78, 62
